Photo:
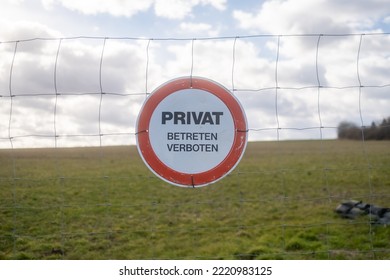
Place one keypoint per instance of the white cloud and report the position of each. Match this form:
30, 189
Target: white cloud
180, 9
218, 4
172, 9
316, 16
200, 29
47, 4
113, 7
20, 30
15, 2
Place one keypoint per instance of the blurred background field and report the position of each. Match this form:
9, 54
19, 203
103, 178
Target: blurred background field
103, 203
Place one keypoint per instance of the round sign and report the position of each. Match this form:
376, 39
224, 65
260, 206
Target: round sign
191, 132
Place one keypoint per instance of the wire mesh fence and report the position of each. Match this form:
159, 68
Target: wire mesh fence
100, 201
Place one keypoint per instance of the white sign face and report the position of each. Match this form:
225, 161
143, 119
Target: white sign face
191, 132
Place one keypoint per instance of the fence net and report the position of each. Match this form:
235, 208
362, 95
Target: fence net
72, 185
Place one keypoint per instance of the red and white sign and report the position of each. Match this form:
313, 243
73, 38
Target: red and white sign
191, 132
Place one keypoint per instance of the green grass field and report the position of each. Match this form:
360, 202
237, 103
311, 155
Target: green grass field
103, 203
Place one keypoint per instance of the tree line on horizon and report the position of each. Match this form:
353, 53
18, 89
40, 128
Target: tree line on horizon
377, 131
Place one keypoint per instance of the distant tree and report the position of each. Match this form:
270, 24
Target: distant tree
371, 132
384, 130
349, 130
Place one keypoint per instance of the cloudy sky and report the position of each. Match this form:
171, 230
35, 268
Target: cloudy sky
295, 65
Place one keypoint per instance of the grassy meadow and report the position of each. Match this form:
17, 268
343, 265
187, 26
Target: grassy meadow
103, 203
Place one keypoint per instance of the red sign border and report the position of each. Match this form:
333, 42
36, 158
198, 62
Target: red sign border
185, 179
